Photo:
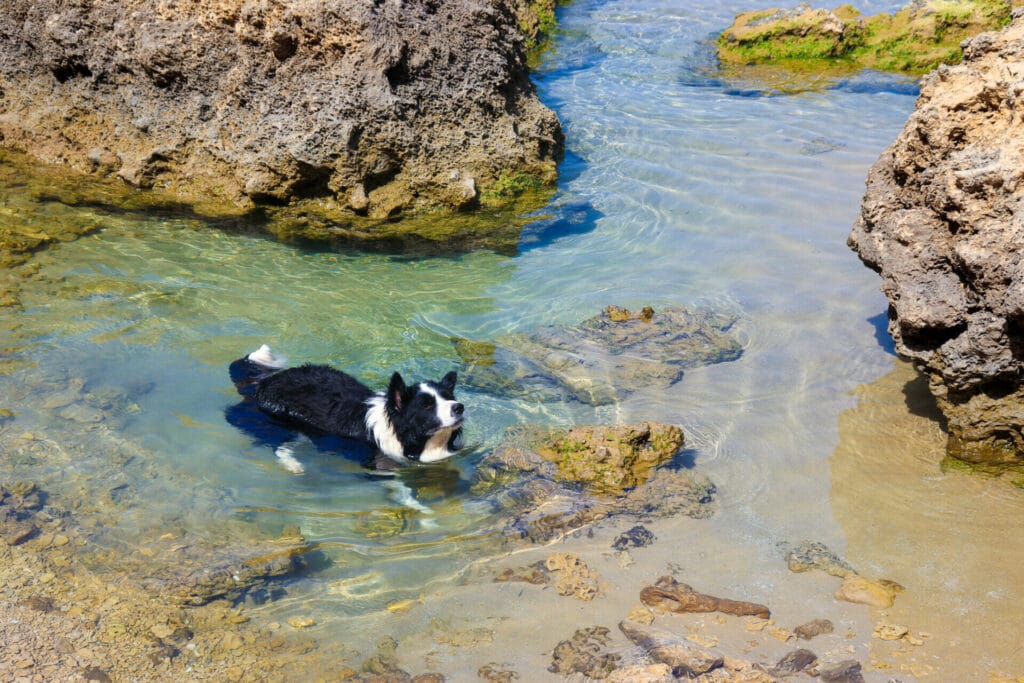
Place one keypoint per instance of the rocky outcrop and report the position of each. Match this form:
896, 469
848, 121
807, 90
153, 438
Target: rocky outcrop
362, 110
942, 222
913, 40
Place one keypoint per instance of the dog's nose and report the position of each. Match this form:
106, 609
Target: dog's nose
458, 409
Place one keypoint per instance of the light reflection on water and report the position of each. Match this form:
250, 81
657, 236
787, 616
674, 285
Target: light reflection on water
678, 189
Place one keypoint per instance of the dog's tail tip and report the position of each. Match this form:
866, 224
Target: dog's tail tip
265, 357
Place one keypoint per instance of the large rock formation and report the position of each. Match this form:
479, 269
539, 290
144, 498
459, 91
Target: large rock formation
364, 109
942, 221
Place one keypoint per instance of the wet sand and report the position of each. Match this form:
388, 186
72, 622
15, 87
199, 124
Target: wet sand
951, 538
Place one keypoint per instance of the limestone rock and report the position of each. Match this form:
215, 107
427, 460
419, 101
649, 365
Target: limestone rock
574, 577
809, 555
366, 107
584, 653
612, 459
523, 477
642, 673
230, 579
941, 222
864, 591
847, 671
685, 658
794, 662
813, 628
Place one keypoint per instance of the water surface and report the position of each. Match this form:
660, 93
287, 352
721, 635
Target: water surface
680, 187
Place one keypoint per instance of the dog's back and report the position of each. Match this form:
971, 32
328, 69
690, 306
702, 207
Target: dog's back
316, 396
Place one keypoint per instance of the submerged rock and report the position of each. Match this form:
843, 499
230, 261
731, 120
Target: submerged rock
917, 38
18, 505
536, 573
941, 222
809, 555
574, 577
815, 627
353, 109
231, 579
794, 662
669, 595
584, 653
603, 459
529, 477
643, 673
602, 359
846, 671
614, 458
686, 659
637, 537
864, 591
493, 673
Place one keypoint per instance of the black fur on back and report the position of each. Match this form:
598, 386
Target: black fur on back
316, 396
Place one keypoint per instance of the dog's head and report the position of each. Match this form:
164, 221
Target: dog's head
426, 417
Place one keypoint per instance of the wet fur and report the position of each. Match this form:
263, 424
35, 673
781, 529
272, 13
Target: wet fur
418, 422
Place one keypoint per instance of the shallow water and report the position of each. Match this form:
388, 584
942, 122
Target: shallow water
679, 188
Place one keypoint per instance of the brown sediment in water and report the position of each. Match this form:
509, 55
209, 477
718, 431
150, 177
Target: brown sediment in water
951, 538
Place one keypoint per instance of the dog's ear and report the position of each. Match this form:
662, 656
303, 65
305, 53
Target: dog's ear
447, 383
396, 388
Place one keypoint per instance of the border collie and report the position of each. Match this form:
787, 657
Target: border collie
407, 423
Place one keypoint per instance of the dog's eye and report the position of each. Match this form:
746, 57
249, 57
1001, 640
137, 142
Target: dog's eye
428, 400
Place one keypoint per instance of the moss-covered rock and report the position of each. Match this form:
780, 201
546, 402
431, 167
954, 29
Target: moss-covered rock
554, 481
612, 459
914, 40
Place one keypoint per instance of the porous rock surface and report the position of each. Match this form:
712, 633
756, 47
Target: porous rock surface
552, 481
942, 222
370, 108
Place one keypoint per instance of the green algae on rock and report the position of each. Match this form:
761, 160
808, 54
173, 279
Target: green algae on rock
555, 481
914, 40
46, 204
612, 459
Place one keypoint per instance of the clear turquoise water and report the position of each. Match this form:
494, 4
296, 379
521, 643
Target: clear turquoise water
679, 188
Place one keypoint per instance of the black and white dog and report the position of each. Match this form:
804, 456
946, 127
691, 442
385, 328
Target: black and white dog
407, 423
